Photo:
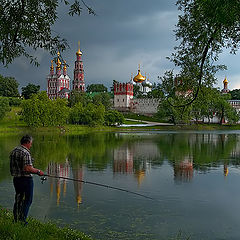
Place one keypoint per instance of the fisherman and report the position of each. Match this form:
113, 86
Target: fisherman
21, 168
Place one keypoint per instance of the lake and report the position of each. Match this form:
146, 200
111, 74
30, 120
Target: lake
193, 178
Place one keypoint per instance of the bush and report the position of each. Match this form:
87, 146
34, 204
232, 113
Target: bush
41, 111
89, 115
14, 101
113, 117
4, 106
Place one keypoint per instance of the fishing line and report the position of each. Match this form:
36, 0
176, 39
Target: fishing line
96, 184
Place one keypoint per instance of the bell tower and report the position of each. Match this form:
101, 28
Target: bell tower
78, 81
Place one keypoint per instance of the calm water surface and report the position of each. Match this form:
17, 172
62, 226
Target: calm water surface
194, 178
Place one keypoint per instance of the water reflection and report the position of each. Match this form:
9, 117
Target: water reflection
183, 171
152, 164
129, 154
78, 185
61, 171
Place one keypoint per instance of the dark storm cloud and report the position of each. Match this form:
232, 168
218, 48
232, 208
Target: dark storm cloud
122, 35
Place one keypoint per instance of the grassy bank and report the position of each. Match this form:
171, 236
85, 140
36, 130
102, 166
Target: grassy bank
35, 230
193, 127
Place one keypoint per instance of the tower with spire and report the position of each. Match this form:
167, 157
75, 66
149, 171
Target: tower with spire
78, 81
225, 86
58, 83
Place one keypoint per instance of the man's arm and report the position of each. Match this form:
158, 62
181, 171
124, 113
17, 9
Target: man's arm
31, 169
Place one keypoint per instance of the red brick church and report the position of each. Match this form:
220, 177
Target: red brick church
58, 81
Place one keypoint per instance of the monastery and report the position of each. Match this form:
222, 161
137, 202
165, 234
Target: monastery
58, 82
58, 86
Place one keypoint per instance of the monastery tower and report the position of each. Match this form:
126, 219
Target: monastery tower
123, 94
78, 81
225, 86
58, 84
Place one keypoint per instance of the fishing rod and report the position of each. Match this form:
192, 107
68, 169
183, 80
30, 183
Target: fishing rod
43, 178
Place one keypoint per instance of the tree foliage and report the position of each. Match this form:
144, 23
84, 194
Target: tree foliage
113, 117
8, 87
96, 88
29, 90
41, 111
88, 115
102, 98
204, 28
235, 94
76, 97
209, 103
4, 107
28, 25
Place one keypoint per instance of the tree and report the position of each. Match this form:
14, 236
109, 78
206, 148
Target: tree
96, 88
203, 30
28, 25
172, 114
113, 117
136, 92
156, 92
76, 97
4, 107
8, 87
224, 110
172, 95
39, 110
235, 94
104, 99
29, 90
210, 101
88, 115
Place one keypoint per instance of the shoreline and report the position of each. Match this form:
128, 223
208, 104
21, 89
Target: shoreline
35, 229
10, 129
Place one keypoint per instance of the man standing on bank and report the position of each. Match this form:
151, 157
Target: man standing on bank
21, 167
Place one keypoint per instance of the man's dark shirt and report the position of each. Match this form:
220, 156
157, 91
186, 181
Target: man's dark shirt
19, 158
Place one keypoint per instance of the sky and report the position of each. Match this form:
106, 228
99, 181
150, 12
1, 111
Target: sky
124, 33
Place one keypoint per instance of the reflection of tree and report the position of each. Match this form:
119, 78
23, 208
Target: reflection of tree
205, 150
96, 150
6, 146
93, 150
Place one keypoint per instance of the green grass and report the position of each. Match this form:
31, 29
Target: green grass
35, 230
132, 122
141, 117
12, 123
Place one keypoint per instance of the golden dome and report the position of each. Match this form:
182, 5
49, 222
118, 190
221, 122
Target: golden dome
139, 78
78, 53
225, 80
65, 66
58, 63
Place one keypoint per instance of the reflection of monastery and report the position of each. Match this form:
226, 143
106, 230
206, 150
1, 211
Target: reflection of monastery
183, 171
63, 170
134, 159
